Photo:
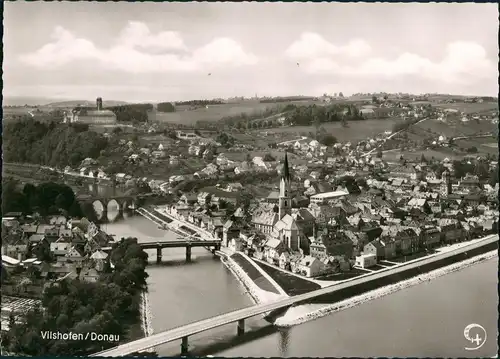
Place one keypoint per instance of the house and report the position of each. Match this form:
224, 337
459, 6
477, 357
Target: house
264, 221
216, 227
310, 266
234, 187
366, 260
75, 255
29, 229
451, 230
273, 249
430, 236
317, 249
358, 239
189, 199
284, 261
58, 220
99, 259
15, 247
60, 248
10, 262
89, 275
203, 198
158, 154
337, 243
375, 248
389, 246
229, 231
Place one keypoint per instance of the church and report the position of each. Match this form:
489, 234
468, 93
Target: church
281, 227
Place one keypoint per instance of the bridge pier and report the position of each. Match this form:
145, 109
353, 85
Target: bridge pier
241, 327
184, 346
188, 254
158, 255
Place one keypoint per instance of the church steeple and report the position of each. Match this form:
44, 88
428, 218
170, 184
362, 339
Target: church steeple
285, 173
285, 203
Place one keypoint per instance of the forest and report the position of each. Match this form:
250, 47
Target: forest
136, 113
31, 141
47, 198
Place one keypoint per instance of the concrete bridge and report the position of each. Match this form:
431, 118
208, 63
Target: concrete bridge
111, 208
212, 245
239, 316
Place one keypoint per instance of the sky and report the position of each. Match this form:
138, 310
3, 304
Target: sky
181, 51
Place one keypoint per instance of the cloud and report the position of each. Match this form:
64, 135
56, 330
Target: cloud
462, 62
136, 51
311, 45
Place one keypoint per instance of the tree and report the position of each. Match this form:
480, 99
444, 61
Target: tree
269, 158
380, 154
327, 140
88, 211
493, 176
165, 107
60, 201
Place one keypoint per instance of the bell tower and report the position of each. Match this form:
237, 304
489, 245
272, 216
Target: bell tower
446, 187
285, 202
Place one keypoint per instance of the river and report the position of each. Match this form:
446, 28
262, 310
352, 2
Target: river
424, 320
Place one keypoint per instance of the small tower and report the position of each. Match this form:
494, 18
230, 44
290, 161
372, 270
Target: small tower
447, 189
285, 202
99, 104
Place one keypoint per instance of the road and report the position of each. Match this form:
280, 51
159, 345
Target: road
231, 317
389, 137
191, 226
473, 136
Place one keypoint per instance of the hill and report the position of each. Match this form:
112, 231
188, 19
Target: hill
74, 103
49, 102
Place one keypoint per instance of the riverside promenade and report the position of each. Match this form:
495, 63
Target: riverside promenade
168, 215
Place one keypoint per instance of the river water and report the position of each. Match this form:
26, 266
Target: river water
424, 320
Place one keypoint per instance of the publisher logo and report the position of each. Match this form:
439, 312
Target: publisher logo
475, 334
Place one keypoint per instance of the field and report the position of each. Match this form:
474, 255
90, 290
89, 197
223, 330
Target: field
357, 130
290, 283
186, 116
483, 144
455, 128
441, 154
466, 107
254, 274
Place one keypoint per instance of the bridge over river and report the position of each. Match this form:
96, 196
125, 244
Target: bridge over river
212, 245
113, 207
240, 315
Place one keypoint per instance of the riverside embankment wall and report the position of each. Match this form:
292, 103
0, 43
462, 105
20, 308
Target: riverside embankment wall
357, 289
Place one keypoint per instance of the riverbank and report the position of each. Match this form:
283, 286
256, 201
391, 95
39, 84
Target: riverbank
307, 312
146, 325
257, 294
146, 317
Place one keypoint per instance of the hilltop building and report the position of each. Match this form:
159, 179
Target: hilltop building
91, 116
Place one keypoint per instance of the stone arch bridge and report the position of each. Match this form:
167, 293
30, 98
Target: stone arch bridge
112, 208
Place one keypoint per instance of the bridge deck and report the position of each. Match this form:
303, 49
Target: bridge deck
176, 244
227, 318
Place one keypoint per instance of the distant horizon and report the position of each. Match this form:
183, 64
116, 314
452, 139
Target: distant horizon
43, 101
154, 52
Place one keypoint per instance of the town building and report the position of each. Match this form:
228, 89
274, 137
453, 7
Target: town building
91, 116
